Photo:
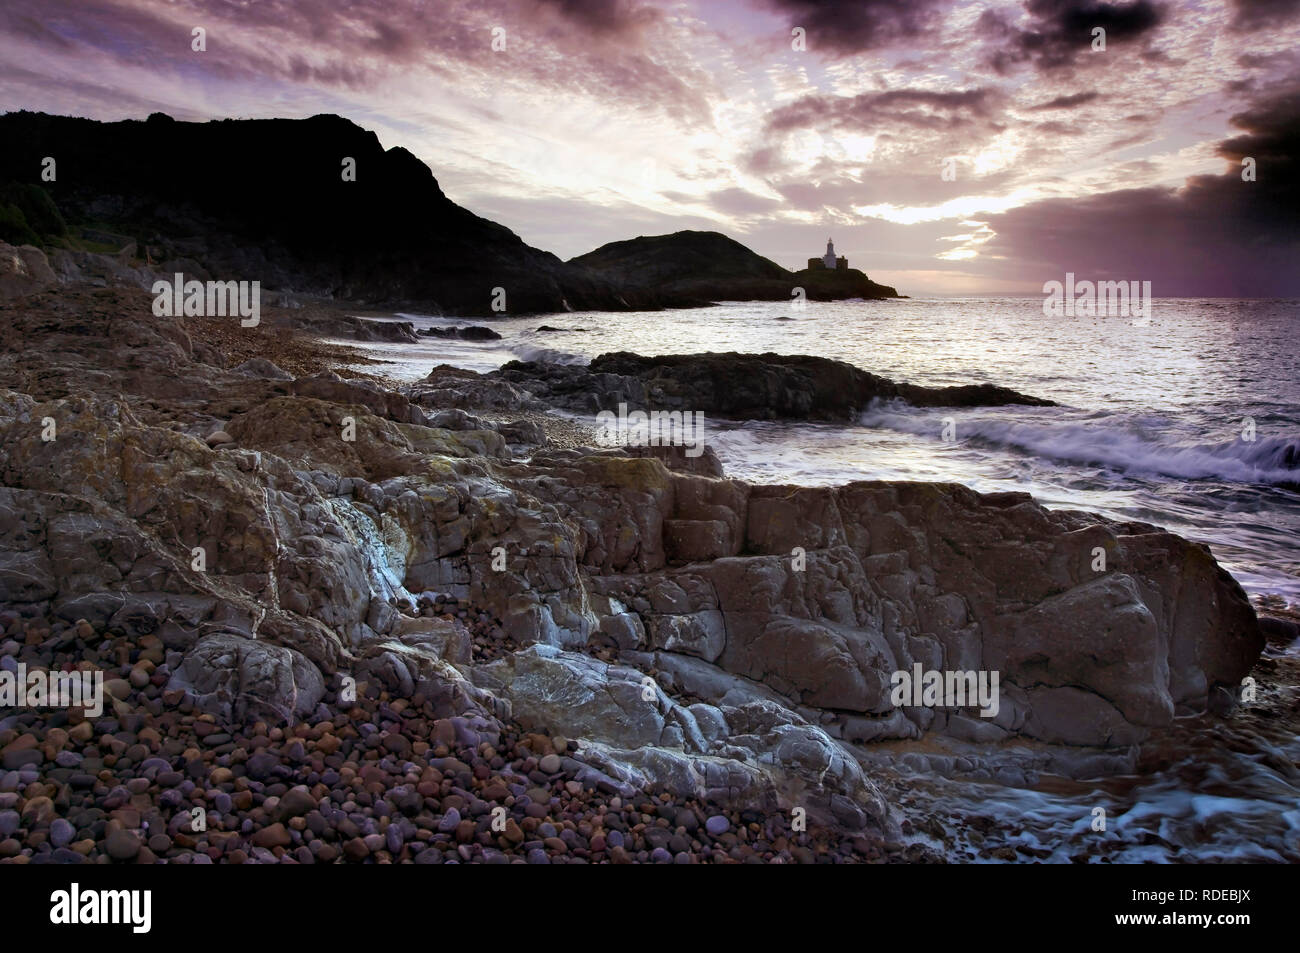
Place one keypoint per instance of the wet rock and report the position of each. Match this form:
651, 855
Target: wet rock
260, 367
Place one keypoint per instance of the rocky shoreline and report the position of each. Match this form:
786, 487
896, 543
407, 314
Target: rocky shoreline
558, 653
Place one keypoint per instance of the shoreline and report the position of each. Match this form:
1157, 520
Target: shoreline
921, 827
488, 602
1262, 592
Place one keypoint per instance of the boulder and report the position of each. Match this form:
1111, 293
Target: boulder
240, 679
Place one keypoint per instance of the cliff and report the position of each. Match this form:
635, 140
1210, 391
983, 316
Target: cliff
266, 200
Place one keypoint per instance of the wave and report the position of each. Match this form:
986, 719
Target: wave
1270, 460
547, 355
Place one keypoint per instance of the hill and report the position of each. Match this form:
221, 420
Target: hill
713, 267
269, 200
266, 199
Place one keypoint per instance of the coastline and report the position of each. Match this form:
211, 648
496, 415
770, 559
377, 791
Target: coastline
521, 687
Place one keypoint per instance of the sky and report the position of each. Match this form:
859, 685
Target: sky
948, 147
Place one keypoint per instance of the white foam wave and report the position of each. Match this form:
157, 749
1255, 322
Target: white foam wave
533, 352
1267, 460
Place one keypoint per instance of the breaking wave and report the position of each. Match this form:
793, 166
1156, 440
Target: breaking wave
533, 352
1267, 460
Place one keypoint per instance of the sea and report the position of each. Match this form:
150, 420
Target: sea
1187, 417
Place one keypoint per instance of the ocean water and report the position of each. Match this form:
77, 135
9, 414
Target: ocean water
1188, 418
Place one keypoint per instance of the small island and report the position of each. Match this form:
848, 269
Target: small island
708, 266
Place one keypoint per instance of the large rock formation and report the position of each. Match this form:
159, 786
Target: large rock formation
24, 270
741, 386
287, 215
717, 639
710, 266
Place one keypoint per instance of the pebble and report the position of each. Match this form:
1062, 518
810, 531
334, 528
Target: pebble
296, 802
62, 832
276, 835
393, 839
345, 784
550, 764
121, 844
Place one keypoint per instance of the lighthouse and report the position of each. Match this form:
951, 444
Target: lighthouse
829, 261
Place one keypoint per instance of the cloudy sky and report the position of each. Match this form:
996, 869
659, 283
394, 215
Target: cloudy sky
779, 122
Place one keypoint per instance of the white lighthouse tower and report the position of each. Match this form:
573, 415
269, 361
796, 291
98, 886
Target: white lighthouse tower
829, 258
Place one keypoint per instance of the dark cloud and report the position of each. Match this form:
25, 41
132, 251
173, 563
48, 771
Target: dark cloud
608, 17
1061, 30
581, 47
851, 26
1218, 235
1057, 128
1067, 102
1256, 14
736, 201
1266, 60
1125, 142
1272, 138
920, 108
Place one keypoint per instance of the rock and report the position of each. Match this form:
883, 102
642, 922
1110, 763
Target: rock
741, 386
218, 438
339, 325
576, 694
470, 333
550, 764
121, 844
276, 835
355, 850
23, 271
633, 583
717, 825
16, 758
61, 832
260, 367
234, 677
296, 802
160, 843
